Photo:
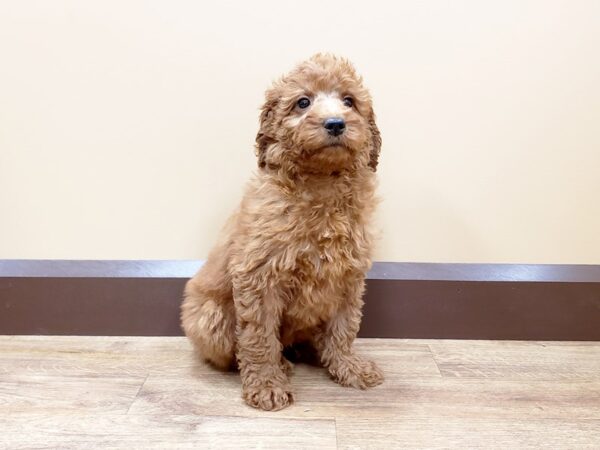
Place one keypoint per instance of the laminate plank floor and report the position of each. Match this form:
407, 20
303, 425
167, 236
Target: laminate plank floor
152, 392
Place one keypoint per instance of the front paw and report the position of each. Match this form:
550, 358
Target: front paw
269, 396
357, 373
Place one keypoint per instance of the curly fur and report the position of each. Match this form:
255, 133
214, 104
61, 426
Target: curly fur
290, 265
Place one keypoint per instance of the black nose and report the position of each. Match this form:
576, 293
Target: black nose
334, 126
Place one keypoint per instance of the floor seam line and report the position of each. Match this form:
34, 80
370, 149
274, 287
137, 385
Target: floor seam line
435, 360
137, 393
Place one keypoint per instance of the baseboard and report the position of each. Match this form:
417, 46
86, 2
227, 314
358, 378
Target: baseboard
403, 300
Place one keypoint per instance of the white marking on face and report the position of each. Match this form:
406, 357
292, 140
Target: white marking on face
296, 120
329, 104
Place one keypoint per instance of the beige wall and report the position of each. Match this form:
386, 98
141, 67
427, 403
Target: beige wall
126, 127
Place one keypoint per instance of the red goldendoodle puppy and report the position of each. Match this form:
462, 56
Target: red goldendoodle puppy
290, 265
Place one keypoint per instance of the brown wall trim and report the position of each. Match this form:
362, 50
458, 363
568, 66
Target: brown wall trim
404, 300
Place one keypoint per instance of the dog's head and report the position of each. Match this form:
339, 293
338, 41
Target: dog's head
318, 119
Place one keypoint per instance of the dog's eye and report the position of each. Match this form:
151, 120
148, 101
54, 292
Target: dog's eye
348, 102
303, 103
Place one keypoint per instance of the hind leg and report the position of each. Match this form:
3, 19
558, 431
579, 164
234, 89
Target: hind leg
208, 319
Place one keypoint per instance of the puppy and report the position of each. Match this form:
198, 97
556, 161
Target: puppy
290, 265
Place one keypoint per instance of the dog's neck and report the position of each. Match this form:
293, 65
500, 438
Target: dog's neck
334, 186
279, 171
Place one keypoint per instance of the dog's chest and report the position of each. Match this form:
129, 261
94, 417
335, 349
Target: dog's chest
331, 248
327, 245
313, 244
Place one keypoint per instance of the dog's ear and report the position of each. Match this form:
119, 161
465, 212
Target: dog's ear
375, 143
264, 137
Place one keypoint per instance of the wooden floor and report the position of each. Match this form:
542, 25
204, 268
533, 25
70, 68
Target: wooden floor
101, 392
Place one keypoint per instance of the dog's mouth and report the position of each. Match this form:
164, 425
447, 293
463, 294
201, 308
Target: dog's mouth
327, 158
332, 147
